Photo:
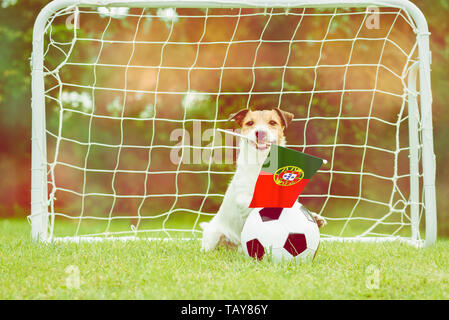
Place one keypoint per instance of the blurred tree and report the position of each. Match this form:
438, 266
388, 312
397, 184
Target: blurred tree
17, 18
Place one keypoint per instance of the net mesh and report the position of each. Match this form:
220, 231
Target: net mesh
134, 97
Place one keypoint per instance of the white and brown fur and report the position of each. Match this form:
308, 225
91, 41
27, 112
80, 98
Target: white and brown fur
262, 127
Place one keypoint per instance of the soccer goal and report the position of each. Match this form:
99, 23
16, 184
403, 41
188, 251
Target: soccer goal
127, 97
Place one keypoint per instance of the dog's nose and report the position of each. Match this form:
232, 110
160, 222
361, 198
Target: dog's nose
260, 135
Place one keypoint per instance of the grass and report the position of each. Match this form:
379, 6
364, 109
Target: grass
178, 270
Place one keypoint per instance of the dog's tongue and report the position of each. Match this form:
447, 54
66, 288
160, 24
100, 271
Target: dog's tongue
260, 137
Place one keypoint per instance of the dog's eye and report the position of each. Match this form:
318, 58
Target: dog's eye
273, 123
249, 123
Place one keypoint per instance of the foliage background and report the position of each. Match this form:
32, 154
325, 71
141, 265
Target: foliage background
16, 22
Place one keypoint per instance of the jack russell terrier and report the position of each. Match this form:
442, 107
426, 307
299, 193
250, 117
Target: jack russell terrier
262, 128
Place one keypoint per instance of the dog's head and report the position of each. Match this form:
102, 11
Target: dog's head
263, 126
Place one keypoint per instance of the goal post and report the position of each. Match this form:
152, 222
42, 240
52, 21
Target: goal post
116, 93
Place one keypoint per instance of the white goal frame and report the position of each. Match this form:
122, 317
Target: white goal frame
420, 72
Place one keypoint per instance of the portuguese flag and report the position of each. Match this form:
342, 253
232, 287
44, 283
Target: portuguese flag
284, 175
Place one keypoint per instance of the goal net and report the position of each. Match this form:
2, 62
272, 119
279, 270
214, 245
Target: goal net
128, 97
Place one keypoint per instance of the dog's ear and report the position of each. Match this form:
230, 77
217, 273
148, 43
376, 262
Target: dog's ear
285, 116
238, 116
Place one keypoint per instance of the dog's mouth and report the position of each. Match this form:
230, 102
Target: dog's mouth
260, 145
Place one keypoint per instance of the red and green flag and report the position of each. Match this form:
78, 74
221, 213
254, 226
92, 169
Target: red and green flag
284, 175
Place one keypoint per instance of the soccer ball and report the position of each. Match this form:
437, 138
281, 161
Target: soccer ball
282, 233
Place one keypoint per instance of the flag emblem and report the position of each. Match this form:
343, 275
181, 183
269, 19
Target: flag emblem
288, 176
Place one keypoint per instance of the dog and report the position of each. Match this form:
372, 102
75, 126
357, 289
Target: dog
262, 128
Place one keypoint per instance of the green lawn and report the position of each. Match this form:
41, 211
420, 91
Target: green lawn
178, 270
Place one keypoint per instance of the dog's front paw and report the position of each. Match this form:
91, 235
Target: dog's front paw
211, 236
320, 221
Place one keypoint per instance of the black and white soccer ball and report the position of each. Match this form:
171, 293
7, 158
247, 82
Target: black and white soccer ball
284, 234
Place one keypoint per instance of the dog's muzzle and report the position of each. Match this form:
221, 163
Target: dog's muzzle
262, 141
